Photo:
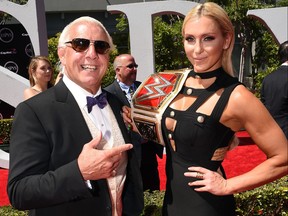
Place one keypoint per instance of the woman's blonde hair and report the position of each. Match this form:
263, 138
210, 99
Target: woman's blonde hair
32, 68
218, 14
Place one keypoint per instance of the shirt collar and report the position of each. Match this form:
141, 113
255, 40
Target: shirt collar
78, 92
125, 87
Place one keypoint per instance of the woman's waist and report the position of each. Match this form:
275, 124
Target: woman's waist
185, 161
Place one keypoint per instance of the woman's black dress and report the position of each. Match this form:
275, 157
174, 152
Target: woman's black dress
200, 140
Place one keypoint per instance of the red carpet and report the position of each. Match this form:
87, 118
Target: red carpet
3, 184
239, 160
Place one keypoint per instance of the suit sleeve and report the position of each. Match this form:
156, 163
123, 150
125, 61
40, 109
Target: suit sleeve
34, 181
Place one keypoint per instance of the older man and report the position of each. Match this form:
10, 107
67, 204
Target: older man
68, 151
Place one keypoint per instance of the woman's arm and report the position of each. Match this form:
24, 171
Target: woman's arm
244, 110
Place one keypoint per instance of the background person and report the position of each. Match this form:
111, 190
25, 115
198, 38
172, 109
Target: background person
40, 76
274, 90
68, 157
201, 120
123, 88
60, 70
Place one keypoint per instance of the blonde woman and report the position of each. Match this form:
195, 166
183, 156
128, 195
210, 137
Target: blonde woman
200, 122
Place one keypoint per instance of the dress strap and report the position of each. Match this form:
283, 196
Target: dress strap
188, 91
204, 95
222, 102
200, 100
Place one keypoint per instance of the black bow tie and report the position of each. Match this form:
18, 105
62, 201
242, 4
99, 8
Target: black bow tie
100, 100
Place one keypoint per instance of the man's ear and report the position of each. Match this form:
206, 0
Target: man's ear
117, 71
61, 55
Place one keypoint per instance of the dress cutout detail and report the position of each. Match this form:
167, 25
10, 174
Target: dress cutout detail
197, 140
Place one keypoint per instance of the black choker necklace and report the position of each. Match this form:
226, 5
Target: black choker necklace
205, 75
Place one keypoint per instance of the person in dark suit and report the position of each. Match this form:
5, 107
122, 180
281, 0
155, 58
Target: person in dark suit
123, 87
274, 90
67, 154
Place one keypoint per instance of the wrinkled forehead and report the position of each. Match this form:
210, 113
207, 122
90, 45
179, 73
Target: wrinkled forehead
82, 29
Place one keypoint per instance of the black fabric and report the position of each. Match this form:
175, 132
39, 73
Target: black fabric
48, 134
206, 75
196, 138
274, 95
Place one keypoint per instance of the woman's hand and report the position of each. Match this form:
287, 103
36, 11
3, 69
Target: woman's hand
209, 181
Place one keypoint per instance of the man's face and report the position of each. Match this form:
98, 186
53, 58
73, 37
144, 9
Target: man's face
127, 71
85, 68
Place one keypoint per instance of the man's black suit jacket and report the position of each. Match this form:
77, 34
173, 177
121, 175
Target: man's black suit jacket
274, 95
115, 89
48, 134
149, 164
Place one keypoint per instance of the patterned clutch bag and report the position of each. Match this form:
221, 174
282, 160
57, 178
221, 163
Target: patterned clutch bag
152, 98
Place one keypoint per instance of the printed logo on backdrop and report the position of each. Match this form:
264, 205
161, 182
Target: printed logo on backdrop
12, 66
6, 35
16, 48
29, 50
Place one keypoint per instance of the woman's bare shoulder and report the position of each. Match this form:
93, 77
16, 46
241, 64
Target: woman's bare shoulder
29, 92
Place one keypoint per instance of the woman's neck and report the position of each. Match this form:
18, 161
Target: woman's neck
203, 79
205, 75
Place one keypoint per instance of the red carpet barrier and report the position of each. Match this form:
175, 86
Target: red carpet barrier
239, 160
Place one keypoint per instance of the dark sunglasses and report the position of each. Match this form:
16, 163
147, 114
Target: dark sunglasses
81, 45
130, 66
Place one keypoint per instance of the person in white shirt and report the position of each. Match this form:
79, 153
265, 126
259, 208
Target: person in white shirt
70, 152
